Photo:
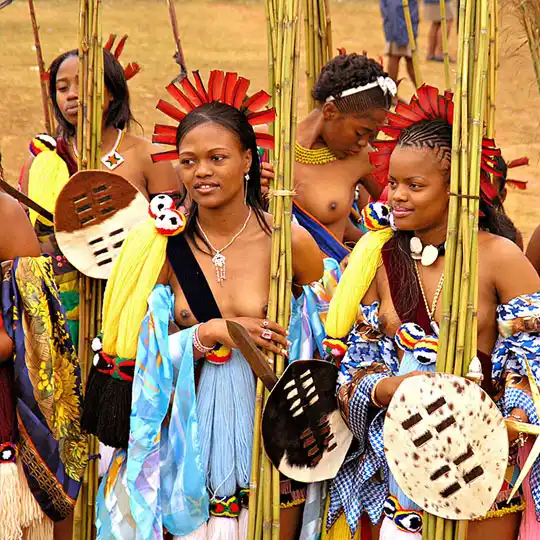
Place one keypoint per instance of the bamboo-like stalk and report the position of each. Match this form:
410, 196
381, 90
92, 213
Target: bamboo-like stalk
446, 54
45, 98
474, 102
318, 41
412, 43
529, 15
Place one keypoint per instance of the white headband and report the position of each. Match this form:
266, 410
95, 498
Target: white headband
386, 84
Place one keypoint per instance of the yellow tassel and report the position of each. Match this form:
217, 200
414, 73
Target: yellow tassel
340, 530
356, 280
42, 530
10, 525
31, 512
133, 277
48, 175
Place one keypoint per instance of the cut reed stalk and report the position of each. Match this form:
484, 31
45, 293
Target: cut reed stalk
446, 54
412, 43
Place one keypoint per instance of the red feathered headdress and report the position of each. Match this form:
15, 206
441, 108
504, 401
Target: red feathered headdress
223, 87
512, 182
428, 104
132, 68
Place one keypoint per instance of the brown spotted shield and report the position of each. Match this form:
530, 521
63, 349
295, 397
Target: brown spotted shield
94, 213
446, 445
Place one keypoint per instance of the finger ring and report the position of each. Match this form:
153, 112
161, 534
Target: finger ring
265, 324
267, 334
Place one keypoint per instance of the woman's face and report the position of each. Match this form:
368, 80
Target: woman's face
347, 134
212, 165
67, 90
418, 189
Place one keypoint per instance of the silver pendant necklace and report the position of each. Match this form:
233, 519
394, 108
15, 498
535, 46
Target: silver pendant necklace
219, 260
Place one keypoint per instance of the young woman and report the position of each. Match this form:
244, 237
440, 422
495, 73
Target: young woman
217, 269
404, 290
53, 160
40, 390
353, 94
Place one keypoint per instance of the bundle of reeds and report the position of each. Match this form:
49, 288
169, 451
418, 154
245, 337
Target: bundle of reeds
91, 84
45, 98
412, 43
283, 46
459, 328
318, 41
446, 55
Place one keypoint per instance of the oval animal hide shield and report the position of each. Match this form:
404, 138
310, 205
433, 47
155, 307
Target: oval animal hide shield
446, 445
94, 213
303, 432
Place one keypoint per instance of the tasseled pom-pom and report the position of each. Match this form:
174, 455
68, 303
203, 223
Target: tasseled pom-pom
112, 426
408, 335
222, 529
170, 222
426, 349
219, 355
243, 522
335, 348
10, 505
93, 399
376, 216
159, 204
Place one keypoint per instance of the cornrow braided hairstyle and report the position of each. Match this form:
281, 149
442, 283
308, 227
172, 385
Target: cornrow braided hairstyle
347, 71
435, 135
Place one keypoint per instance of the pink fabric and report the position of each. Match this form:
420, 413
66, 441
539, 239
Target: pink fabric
530, 528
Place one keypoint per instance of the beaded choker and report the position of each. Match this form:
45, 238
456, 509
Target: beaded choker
308, 156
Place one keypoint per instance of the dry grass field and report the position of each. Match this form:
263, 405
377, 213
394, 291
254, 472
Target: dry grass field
232, 36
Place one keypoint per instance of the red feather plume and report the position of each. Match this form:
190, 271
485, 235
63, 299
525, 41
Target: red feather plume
518, 162
120, 47
110, 42
131, 70
226, 88
429, 105
517, 184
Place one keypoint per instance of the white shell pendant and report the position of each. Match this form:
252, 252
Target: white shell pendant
429, 255
415, 246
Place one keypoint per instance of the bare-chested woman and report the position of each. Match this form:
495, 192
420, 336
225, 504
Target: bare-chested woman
217, 269
405, 291
353, 94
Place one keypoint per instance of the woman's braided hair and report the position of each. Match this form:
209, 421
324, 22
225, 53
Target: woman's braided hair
347, 71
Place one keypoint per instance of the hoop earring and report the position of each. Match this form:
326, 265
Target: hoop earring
246, 181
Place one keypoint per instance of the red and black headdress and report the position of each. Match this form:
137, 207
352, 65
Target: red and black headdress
428, 104
223, 87
132, 68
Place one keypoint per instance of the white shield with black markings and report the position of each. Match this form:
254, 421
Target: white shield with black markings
446, 444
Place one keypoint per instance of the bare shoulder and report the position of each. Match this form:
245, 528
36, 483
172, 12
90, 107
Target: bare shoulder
17, 239
509, 269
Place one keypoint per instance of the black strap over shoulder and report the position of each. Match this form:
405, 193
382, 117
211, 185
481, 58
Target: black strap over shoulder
192, 279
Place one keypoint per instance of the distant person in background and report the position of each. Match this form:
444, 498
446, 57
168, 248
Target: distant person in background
397, 38
432, 13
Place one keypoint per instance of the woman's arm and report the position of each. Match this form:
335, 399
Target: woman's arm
533, 250
307, 258
17, 237
513, 273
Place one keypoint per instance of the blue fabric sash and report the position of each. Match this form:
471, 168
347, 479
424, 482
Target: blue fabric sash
326, 241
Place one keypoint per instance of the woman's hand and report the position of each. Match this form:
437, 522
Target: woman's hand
386, 388
267, 176
517, 415
215, 331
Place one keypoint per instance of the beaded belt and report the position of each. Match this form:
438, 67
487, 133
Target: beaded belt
405, 520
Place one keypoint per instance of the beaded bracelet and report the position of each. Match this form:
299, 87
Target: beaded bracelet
197, 342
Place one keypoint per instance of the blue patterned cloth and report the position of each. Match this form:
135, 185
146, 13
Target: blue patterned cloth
395, 29
363, 482
163, 484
